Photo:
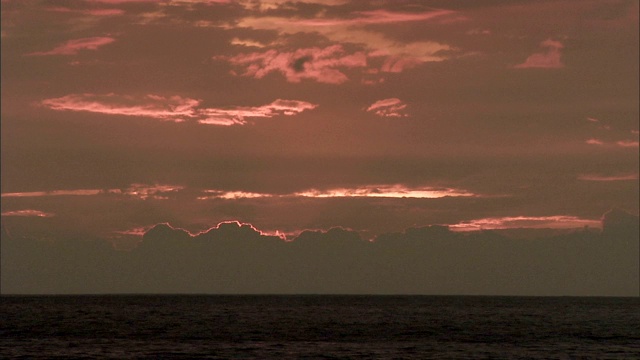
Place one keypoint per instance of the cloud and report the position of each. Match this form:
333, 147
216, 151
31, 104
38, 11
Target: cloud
174, 108
72, 47
280, 107
395, 55
247, 43
144, 191
235, 257
386, 191
264, 5
628, 143
555, 222
77, 192
228, 229
620, 223
93, 12
373, 191
596, 177
620, 143
28, 213
140, 191
392, 107
231, 195
595, 142
547, 59
319, 64
195, 2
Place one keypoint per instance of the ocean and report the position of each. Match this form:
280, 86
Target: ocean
318, 327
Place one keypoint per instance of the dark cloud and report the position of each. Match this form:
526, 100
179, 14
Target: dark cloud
238, 258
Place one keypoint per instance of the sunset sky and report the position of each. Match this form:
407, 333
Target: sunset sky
372, 116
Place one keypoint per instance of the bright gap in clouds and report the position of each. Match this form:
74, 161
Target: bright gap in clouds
377, 191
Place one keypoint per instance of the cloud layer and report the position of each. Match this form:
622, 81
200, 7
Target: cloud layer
174, 108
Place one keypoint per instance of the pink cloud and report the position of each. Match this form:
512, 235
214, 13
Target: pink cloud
376, 17
94, 12
174, 108
547, 59
72, 47
392, 107
319, 64
509, 222
213, 116
595, 177
28, 213
628, 143
595, 142
396, 55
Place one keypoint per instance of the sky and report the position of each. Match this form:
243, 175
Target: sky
292, 118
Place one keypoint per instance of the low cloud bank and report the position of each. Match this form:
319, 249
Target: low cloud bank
238, 258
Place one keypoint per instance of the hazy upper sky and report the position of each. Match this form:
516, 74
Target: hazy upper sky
373, 116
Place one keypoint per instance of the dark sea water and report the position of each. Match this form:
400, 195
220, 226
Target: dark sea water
319, 327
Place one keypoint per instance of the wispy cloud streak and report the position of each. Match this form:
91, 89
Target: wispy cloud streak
596, 177
554, 222
72, 47
28, 213
140, 191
